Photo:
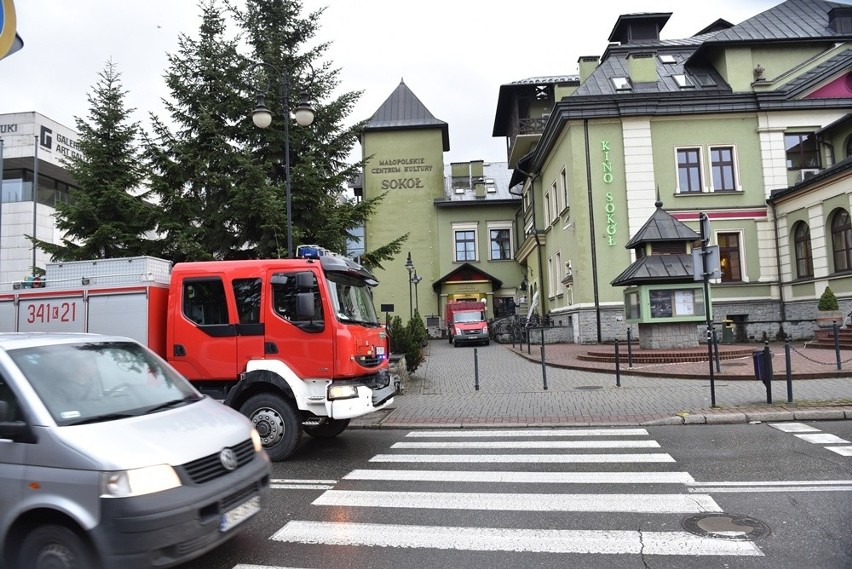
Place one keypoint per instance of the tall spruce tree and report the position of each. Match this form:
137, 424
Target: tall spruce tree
278, 36
211, 197
106, 214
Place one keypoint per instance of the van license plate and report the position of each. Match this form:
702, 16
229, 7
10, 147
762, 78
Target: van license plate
239, 514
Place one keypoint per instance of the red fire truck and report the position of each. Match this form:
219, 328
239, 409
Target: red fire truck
293, 344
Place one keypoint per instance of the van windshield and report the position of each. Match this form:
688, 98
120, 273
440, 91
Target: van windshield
100, 381
462, 317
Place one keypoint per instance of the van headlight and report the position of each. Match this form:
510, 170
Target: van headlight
139, 481
342, 392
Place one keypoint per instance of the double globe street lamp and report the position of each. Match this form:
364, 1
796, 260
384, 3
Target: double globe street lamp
304, 114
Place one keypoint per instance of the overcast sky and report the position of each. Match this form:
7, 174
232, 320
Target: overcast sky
453, 54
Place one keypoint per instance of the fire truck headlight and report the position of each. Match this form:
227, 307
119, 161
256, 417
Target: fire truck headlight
342, 392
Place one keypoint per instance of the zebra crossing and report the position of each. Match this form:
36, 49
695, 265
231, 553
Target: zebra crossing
429, 474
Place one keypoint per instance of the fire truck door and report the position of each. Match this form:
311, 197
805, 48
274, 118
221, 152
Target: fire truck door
205, 335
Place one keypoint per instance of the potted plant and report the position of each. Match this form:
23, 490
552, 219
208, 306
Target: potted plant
828, 310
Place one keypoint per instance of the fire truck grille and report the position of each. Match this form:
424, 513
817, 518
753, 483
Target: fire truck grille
368, 361
210, 467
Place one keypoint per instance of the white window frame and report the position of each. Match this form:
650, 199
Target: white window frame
456, 228
743, 262
736, 165
551, 288
563, 176
558, 273
501, 225
546, 209
701, 170
554, 191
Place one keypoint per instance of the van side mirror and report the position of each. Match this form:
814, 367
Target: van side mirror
305, 280
14, 430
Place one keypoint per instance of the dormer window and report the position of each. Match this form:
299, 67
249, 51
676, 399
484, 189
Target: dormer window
622, 83
704, 80
683, 81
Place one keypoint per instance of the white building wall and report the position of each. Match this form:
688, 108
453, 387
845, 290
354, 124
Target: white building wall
24, 135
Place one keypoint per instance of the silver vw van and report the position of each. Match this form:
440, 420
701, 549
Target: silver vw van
110, 458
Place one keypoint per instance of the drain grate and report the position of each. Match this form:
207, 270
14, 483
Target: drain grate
589, 387
726, 526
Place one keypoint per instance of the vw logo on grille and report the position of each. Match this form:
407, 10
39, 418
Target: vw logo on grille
228, 458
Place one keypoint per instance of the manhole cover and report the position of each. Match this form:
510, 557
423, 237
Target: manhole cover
726, 526
589, 387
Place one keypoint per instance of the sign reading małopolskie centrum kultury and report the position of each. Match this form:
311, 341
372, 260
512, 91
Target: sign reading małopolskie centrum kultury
402, 173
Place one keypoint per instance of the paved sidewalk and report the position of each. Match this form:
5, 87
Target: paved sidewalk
511, 389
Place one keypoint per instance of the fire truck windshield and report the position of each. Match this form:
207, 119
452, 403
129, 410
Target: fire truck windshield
352, 300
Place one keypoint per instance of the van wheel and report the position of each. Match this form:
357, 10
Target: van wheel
329, 429
276, 421
55, 547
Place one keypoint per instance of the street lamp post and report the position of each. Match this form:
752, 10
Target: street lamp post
416, 280
409, 266
262, 118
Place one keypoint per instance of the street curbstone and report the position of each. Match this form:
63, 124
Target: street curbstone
725, 418
819, 414
694, 419
764, 416
664, 421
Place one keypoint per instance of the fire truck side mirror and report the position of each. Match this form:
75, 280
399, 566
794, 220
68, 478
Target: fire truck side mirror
305, 280
305, 306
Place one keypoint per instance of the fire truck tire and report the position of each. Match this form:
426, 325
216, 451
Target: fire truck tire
329, 429
277, 423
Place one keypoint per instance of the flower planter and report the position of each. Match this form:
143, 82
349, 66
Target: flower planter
827, 318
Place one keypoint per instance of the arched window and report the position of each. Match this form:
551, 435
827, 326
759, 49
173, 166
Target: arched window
841, 240
804, 257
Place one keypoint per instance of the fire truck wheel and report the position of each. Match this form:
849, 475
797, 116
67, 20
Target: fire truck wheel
276, 421
329, 429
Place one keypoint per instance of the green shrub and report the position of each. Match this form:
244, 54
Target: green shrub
408, 340
828, 301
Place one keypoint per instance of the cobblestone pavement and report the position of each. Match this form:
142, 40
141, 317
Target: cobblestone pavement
515, 389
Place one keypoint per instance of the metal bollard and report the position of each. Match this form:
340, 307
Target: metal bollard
629, 347
617, 366
836, 343
788, 362
767, 366
543, 366
476, 369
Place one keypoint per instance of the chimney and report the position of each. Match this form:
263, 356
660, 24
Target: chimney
642, 67
840, 20
588, 64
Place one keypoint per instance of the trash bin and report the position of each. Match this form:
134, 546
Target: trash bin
759, 366
728, 332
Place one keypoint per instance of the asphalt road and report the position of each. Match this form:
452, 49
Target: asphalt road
745, 496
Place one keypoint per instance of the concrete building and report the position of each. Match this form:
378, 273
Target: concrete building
31, 145
715, 123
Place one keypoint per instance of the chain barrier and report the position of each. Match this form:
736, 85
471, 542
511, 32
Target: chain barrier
833, 364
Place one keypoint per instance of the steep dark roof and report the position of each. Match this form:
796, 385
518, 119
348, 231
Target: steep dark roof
720, 24
628, 25
656, 269
660, 227
467, 272
402, 110
793, 20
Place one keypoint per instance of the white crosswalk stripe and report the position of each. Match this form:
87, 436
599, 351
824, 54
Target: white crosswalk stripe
518, 540
577, 459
